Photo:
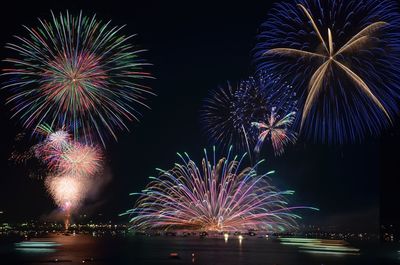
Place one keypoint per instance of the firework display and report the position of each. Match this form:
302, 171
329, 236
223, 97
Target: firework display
65, 156
277, 130
67, 191
314, 93
328, 70
225, 122
280, 93
344, 59
79, 159
76, 72
71, 167
230, 111
218, 196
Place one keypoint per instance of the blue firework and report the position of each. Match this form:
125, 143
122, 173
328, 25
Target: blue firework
220, 120
229, 111
343, 57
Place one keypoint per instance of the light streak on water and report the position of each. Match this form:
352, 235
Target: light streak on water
36, 246
321, 246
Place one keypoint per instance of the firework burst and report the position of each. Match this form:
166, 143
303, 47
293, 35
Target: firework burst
229, 112
344, 58
76, 72
71, 167
81, 160
65, 156
219, 196
67, 191
217, 116
277, 130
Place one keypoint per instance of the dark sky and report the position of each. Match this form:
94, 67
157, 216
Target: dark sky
194, 48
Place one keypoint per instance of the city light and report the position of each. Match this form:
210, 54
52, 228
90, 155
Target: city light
226, 236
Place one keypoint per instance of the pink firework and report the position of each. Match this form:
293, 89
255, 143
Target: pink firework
65, 156
51, 149
277, 130
59, 139
67, 191
80, 160
218, 196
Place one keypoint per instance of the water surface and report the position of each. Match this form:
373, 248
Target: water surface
79, 249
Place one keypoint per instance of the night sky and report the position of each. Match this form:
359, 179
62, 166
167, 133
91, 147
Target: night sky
195, 48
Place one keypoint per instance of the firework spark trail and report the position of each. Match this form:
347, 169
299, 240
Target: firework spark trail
219, 196
344, 58
78, 73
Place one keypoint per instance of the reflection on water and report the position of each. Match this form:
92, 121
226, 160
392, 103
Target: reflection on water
226, 237
321, 246
36, 247
37, 244
36, 250
227, 249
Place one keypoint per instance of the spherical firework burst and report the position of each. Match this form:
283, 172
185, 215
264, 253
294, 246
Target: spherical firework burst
344, 58
277, 130
228, 112
59, 139
250, 104
67, 191
81, 160
221, 196
218, 118
69, 166
54, 144
65, 156
76, 72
